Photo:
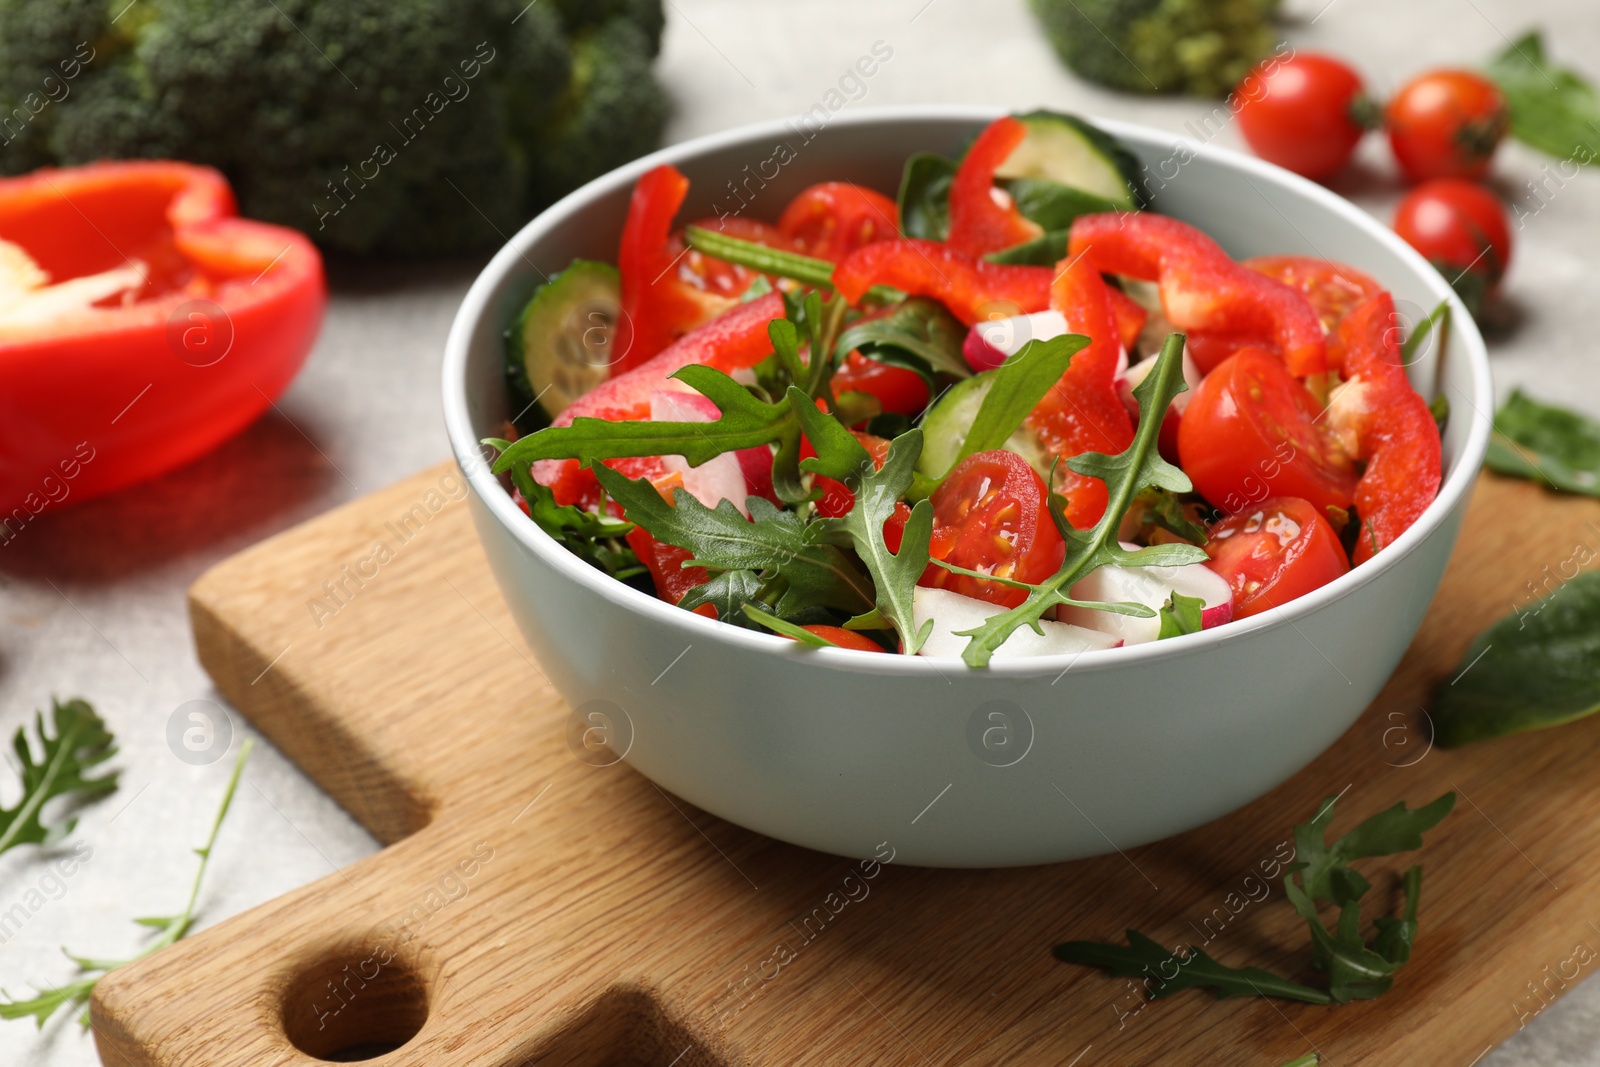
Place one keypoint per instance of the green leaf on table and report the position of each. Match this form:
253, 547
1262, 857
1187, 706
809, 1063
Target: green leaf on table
1171, 972
1546, 444
1138, 467
894, 573
924, 198
1180, 615
1552, 108
71, 743
772, 543
918, 334
1532, 669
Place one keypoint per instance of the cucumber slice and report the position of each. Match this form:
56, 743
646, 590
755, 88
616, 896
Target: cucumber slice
559, 345
945, 426
1068, 150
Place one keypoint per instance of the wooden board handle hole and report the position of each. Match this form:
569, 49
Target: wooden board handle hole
354, 1004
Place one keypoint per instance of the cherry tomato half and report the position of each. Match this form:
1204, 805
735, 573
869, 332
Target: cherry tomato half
900, 391
1446, 124
1304, 112
1277, 550
832, 219
838, 635
1461, 228
990, 515
1332, 288
1251, 432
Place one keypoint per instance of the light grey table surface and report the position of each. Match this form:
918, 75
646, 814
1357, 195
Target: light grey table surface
92, 598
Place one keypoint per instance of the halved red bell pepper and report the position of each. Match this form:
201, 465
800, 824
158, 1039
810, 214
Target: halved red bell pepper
1221, 304
972, 288
1082, 412
983, 217
1392, 428
142, 323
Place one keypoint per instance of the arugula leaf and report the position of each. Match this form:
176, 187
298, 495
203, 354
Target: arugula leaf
894, 574
1163, 509
48, 1000
919, 335
786, 629
1396, 829
1015, 389
1532, 669
924, 197
746, 421
592, 536
1180, 615
1194, 969
1310, 1059
81, 742
1125, 474
772, 543
728, 592
1438, 317
1546, 444
1552, 108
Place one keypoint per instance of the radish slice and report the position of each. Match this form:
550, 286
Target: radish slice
716, 480
1140, 371
1150, 586
952, 612
993, 341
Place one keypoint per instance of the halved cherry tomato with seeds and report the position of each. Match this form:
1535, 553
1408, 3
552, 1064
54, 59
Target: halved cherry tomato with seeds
1274, 551
833, 219
1252, 431
990, 514
1333, 290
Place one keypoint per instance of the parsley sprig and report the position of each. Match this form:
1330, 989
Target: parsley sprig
1138, 467
1321, 874
71, 745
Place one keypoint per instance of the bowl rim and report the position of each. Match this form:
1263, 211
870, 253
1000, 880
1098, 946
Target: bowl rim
1455, 486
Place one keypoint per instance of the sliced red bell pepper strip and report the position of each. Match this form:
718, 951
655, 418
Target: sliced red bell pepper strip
1393, 429
142, 323
649, 305
1131, 316
983, 218
1333, 289
666, 566
1082, 412
972, 288
1203, 291
733, 341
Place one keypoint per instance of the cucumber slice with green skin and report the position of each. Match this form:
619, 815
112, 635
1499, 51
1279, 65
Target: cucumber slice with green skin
1066, 149
559, 345
945, 426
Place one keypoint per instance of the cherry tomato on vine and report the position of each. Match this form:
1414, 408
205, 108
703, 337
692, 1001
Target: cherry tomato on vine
1446, 124
990, 515
832, 219
1275, 551
1462, 229
1305, 112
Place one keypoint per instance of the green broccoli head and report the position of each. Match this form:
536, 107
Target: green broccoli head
1203, 47
397, 127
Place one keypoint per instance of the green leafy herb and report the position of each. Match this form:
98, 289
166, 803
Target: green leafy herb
919, 335
925, 196
1321, 872
1310, 1059
1171, 971
1046, 250
786, 628
746, 421
786, 553
1356, 969
1055, 206
1439, 408
1439, 317
1015, 389
1180, 615
592, 536
1552, 108
80, 743
894, 574
729, 592
1163, 509
1532, 669
1546, 444
170, 928
807, 270
1125, 474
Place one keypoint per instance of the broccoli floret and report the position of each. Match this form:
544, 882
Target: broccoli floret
1202, 47
398, 127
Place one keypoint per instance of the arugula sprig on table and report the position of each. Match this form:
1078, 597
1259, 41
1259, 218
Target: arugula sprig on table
170, 929
1138, 467
1321, 874
72, 743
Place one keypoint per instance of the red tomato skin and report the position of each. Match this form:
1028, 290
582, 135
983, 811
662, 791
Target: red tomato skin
979, 222
1268, 562
843, 638
665, 564
990, 514
1300, 112
972, 288
1333, 289
900, 391
1458, 226
1446, 124
832, 219
1250, 433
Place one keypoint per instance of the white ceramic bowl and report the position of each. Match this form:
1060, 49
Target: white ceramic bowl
1026, 762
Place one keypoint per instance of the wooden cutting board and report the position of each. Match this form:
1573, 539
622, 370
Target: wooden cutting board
533, 908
